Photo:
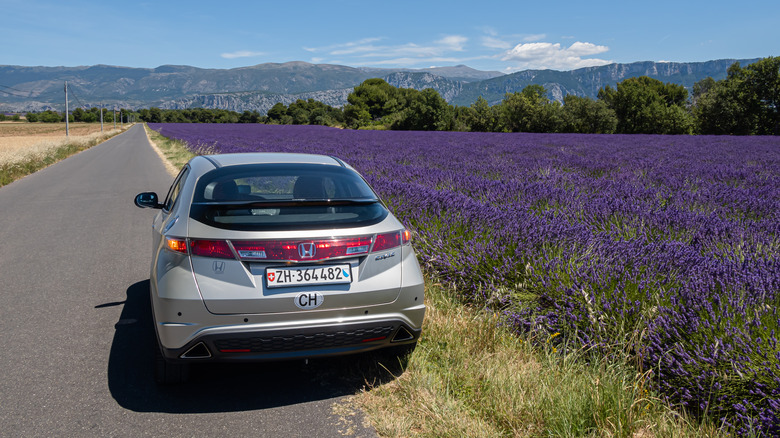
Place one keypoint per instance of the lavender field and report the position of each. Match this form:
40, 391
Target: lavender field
667, 247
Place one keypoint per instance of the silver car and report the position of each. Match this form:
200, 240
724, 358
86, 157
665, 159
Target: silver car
269, 256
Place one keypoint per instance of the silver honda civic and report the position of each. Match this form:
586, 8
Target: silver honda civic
269, 256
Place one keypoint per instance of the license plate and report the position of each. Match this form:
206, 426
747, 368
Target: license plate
308, 275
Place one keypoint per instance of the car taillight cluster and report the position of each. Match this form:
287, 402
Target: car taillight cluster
297, 250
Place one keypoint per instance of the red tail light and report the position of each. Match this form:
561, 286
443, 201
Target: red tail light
299, 250
211, 248
302, 250
387, 241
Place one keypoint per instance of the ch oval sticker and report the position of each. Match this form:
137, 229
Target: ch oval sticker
309, 300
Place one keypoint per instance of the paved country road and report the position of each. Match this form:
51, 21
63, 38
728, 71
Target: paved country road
76, 335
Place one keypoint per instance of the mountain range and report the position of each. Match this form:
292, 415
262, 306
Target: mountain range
259, 87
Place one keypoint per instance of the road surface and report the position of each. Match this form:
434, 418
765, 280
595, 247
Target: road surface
76, 333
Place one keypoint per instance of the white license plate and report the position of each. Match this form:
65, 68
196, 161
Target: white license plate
308, 275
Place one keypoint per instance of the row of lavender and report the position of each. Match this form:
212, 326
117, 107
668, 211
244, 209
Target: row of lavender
665, 246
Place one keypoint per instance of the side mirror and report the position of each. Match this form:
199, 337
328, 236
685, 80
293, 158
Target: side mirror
147, 200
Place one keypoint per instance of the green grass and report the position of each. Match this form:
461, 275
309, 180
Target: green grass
469, 376
10, 172
175, 152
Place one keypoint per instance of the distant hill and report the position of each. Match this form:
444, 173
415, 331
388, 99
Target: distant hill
587, 81
259, 87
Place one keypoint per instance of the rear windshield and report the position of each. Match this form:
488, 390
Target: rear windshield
285, 196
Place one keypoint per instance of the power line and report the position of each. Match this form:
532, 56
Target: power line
12, 88
81, 104
14, 94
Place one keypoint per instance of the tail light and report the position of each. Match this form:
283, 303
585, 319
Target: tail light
387, 241
302, 250
299, 250
176, 245
392, 240
211, 248
406, 236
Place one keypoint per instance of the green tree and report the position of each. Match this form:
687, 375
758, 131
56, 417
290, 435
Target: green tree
373, 100
530, 111
426, 110
155, 115
762, 84
746, 102
78, 115
482, 117
250, 117
644, 105
173, 116
277, 113
47, 116
587, 116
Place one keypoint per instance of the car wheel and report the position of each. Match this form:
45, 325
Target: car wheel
169, 373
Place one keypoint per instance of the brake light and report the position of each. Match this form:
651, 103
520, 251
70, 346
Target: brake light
211, 248
176, 245
387, 241
302, 250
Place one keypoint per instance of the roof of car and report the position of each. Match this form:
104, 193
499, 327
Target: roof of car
221, 160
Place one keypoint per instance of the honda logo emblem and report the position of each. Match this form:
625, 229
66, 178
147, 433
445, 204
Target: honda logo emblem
307, 250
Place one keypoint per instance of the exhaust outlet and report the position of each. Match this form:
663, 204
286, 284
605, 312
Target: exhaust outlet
403, 334
198, 351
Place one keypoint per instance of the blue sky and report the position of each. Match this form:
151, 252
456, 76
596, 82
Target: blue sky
504, 36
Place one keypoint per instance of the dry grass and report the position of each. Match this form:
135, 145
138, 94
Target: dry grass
173, 153
471, 377
27, 148
20, 141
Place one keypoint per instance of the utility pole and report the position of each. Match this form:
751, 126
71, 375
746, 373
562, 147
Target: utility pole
114, 117
101, 116
67, 130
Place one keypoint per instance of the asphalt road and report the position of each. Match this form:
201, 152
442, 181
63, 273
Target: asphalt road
76, 336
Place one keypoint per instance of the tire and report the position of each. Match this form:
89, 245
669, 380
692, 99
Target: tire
169, 373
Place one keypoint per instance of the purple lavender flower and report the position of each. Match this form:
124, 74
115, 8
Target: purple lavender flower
664, 246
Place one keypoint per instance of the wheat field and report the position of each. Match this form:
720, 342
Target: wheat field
21, 140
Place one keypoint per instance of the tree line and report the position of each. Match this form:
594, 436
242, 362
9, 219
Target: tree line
91, 115
746, 102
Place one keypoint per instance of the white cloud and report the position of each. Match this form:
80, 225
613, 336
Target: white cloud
586, 49
366, 52
241, 54
553, 56
452, 42
494, 43
349, 47
535, 37
412, 61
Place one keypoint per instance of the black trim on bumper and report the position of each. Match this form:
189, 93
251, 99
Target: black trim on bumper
270, 345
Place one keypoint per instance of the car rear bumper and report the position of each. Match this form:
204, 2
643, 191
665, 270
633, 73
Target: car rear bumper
257, 345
